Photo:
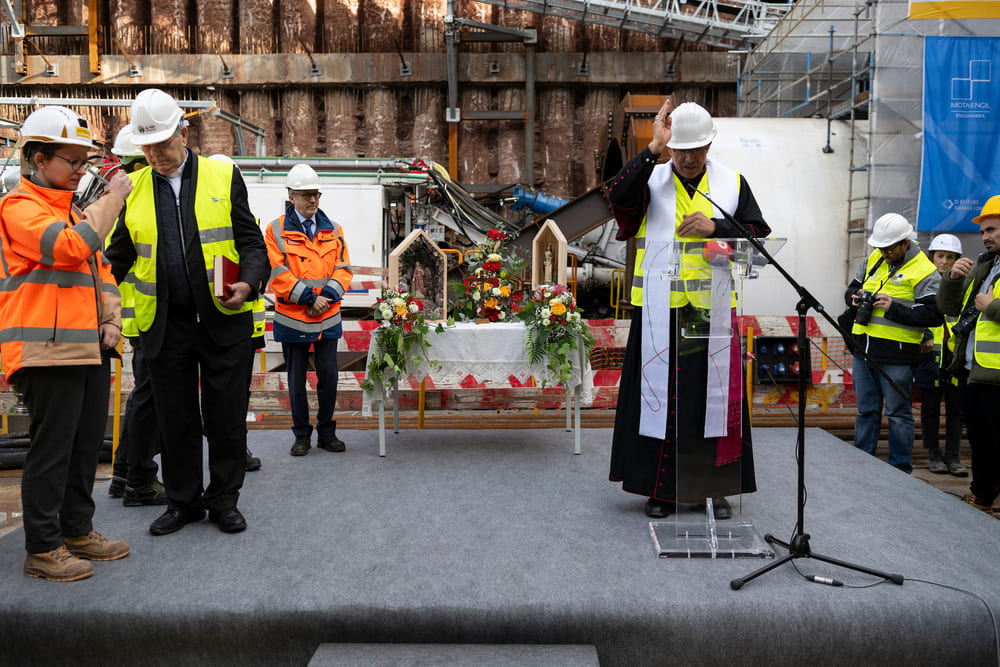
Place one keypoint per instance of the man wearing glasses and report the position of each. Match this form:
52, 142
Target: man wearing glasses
310, 272
895, 291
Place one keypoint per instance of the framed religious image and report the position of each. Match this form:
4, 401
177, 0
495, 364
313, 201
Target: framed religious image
418, 266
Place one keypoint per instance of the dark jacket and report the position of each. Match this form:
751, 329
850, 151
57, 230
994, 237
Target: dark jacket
951, 299
254, 267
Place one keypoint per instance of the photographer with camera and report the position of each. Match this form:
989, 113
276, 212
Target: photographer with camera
972, 290
895, 293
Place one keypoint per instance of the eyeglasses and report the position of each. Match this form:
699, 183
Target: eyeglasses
309, 195
74, 165
890, 248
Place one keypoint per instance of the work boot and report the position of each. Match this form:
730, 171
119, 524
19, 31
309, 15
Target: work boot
150, 493
253, 463
935, 462
116, 489
94, 546
971, 499
658, 509
57, 565
301, 446
330, 443
955, 466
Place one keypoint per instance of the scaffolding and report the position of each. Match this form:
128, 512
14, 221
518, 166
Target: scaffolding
860, 62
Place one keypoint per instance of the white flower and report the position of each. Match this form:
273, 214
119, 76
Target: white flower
398, 301
501, 315
574, 317
546, 314
494, 258
413, 308
546, 322
475, 295
479, 271
496, 291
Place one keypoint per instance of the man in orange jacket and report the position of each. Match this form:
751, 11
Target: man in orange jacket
310, 272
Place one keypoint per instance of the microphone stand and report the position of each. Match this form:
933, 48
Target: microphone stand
798, 545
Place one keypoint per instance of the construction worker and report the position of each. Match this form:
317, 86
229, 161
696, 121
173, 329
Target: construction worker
661, 447
310, 272
972, 292
934, 380
133, 475
185, 211
895, 291
61, 317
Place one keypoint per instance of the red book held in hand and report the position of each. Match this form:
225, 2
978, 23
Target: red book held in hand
225, 272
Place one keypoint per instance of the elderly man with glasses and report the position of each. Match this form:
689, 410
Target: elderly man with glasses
895, 291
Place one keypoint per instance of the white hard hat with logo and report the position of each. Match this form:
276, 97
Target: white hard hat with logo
946, 242
890, 228
222, 158
123, 144
155, 117
691, 126
56, 125
302, 177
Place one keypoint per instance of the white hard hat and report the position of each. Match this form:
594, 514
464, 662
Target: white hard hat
302, 177
155, 117
221, 158
691, 126
946, 242
56, 125
123, 144
890, 228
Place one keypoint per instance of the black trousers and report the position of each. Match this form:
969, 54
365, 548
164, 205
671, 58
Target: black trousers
188, 358
297, 363
979, 402
68, 406
140, 435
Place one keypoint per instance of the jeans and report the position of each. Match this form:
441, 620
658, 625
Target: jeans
870, 388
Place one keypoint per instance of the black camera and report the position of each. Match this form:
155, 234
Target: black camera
967, 322
866, 302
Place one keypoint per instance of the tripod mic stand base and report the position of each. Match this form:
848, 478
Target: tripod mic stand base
798, 547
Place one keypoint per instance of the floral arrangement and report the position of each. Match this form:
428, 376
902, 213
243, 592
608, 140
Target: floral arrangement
488, 292
553, 322
402, 335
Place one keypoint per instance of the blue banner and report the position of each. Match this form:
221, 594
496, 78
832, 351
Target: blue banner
960, 169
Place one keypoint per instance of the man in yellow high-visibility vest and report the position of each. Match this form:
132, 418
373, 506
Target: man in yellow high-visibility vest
895, 291
972, 291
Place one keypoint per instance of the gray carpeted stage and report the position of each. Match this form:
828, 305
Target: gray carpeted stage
493, 537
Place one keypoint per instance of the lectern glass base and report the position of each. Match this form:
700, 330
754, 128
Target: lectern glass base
704, 539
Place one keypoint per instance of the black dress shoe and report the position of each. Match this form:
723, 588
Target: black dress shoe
173, 520
720, 508
330, 443
253, 463
229, 520
658, 509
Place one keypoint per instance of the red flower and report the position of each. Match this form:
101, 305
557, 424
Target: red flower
495, 235
493, 315
420, 304
491, 266
407, 327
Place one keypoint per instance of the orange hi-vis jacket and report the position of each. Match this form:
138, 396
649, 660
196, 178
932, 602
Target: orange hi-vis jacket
57, 288
301, 269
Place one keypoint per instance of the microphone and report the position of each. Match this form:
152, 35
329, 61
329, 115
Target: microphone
717, 252
824, 580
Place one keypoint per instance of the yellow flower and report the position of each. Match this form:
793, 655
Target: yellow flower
401, 311
558, 308
491, 303
504, 290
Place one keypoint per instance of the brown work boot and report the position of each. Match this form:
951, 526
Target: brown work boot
94, 546
971, 499
57, 565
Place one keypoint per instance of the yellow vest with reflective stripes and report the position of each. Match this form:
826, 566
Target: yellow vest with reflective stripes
212, 210
987, 351
900, 286
694, 279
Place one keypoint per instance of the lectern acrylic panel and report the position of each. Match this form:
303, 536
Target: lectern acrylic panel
694, 395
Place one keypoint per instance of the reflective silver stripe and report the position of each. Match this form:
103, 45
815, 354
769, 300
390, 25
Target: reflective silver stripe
685, 246
128, 312
258, 315
45, 335
640, 242
275, 226
111, 288
43, 276
278, 270
297, 292
88, 235
145, 288
47, 244
987, 346
307, 327
343, 266
336, 287
211, 275
315, 283
216, 234
879, 320
637, 281
144, 250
